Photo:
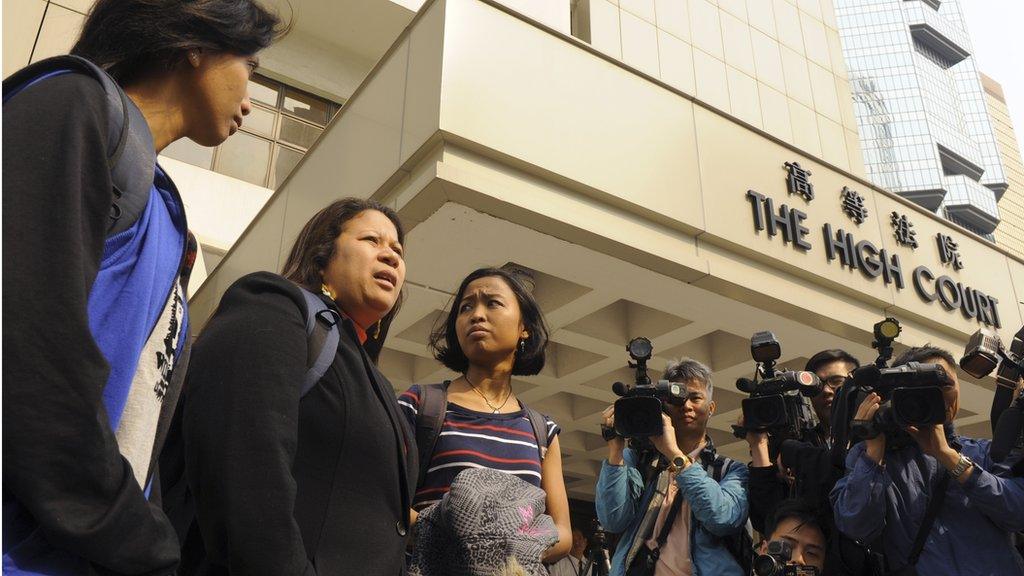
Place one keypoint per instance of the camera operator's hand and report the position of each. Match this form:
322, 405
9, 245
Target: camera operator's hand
758, 442
666, 442
932, 440
866, 411
617, 444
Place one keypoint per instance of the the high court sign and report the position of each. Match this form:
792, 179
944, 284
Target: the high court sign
863, 255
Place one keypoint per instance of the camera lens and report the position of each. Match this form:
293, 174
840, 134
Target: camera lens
766, 566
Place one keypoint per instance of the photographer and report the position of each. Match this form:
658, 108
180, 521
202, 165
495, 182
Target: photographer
805, 470
933, 504
678, 522
796, 536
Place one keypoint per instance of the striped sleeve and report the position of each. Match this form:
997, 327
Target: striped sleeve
409, 402
553, 429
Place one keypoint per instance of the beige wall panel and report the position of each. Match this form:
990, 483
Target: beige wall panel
761, 14
768, 60
639, 43
984, 269
21, 21
833, 143
736, 36
743, 97
358, 152
604, 28
733, 161
798, 80
81, 6
311, 64
775, 112
422, 116
676, 60
673, 16
853, 152
553, 14
787, 23
815, 41
737, 8
643, 9
835, 51
823, 88
525, 93
58, 34
845, 100
812, 7
828, 13
805, 128
705, 27
712, 81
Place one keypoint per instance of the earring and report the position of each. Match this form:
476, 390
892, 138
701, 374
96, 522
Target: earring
376, 333
193, 57
327, 291
522, 345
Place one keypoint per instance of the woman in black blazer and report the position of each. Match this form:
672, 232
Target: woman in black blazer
314, 484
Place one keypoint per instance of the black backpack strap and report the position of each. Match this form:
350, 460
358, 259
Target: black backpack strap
131, 156
429, 421
670, 519
932, 512
540, 429
322, 335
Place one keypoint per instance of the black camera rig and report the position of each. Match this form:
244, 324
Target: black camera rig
638, 411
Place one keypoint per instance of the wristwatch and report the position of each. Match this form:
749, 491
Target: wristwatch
961, 466
678, 463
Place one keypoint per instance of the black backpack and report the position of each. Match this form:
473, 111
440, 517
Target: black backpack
430, 419
131, 156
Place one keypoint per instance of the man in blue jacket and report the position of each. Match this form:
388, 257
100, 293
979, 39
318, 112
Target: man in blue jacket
699, 512
885, 494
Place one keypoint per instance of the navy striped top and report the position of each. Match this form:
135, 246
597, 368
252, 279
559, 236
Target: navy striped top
471, 439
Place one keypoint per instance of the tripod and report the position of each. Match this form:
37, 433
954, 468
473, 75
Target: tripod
597, 562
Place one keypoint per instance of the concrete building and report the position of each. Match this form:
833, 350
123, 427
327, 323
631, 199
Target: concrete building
1010, 232
687, 171
924, 128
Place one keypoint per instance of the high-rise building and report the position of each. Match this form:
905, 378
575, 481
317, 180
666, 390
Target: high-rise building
684, 170
924, 128
1010, 232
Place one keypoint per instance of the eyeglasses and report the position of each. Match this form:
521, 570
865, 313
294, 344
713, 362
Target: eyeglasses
835, 381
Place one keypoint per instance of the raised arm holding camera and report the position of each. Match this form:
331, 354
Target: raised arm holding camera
679, 519
931, 499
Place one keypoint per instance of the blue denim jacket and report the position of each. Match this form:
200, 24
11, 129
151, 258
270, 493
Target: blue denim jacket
972, 532
717, 510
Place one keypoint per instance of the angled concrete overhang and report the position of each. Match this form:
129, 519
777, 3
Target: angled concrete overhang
951, 52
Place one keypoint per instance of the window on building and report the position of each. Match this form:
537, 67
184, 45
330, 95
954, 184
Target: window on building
283, 124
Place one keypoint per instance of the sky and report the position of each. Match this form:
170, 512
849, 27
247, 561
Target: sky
997, 31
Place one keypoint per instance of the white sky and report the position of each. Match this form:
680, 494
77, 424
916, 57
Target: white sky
997, 31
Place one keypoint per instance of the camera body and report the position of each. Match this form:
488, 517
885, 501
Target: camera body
911, 396
638, 411
778, 401
774, 562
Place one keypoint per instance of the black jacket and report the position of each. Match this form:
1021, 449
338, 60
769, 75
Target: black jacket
283, 486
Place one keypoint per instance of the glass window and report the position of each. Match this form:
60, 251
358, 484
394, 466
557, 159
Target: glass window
260, 121
306, 106
245, 157
285, 160
263, 90
298, 133
190, 152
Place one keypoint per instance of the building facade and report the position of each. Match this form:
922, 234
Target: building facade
924, 127
685, 171
1010, 232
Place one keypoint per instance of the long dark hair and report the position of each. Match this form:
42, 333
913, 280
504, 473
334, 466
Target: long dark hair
444, 340
314, 248
132, 38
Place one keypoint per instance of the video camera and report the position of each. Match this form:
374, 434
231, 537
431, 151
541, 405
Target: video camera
911, 394
775, 562
983, 353
778, 402
638, 411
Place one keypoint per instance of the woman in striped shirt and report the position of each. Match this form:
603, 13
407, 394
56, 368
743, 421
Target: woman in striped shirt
493, 331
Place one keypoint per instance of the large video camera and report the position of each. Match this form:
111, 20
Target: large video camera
775, 562
638, 412
911, 394
778, 402
983, 354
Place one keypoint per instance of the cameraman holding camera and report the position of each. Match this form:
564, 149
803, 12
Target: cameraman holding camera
934, 504
675, 523
796, 541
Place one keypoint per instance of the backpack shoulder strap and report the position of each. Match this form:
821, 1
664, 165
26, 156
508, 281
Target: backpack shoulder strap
429, 421
131, 156
540, 429
322, 336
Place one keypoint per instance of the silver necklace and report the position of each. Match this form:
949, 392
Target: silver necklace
494, 409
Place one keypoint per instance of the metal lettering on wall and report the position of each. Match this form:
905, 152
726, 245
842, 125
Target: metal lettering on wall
864, 256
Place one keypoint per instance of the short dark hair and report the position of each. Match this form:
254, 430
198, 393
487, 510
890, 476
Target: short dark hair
686, 369
444, 340
923, 354
829, 356
803, 510
130, 39
315, 246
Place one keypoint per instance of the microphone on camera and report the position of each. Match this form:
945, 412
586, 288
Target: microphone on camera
620, 389
1007, 432
866, 375
746, 385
